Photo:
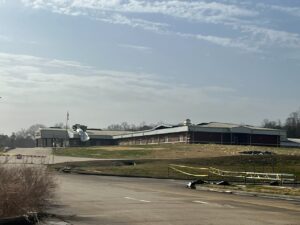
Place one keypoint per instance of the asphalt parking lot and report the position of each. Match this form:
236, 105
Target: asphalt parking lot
83, 199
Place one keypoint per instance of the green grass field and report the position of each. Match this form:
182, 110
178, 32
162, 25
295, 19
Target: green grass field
159, 168
153, 161
167, 151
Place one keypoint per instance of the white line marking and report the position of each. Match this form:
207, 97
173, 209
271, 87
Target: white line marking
201, 202
144, 201
215, 204
140, 200
229, 206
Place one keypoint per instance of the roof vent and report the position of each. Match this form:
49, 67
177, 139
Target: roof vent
187, 122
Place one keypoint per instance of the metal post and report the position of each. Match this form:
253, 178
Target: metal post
53, 149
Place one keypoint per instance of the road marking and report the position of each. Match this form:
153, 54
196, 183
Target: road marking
229, 206
140, 200
215, 204
201, 202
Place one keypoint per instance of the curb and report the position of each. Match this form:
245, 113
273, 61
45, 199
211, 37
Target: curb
253, 194
110, 175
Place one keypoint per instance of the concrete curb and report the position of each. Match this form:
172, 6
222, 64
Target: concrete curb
111, 175
253, 194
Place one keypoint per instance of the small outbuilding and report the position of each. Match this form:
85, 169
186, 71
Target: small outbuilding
59, 137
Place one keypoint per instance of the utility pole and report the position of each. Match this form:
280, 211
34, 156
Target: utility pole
66, 142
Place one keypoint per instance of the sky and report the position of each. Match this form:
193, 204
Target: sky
109, 61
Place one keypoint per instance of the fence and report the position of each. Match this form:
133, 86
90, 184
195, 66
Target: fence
245, 176
23, 159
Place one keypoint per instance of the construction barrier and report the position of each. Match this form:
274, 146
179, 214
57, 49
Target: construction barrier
281, 177
186, 173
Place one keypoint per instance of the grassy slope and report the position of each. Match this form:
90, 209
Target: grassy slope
167, 151
153, 161
159, 168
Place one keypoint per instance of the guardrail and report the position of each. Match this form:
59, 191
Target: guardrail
208, 171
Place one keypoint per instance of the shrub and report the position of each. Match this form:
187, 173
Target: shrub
24, 190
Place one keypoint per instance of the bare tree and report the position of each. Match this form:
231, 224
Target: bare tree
61, 125
130, 127
292, 124
272, 124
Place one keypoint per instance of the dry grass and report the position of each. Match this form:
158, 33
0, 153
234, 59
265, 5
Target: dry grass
159, 167
24, 190
168, 151
277, 190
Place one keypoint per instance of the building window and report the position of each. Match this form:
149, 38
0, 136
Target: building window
181, 138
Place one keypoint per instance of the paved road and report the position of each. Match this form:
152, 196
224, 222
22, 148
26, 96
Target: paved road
47, 152
101, 200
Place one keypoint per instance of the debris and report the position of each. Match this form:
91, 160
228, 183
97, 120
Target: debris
255, 152
65, 169
192, 184
274, 183
223, 182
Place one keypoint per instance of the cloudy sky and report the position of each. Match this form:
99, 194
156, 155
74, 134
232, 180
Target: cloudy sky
108, 61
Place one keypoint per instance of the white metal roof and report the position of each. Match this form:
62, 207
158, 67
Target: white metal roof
153, 132
213, 127
62, 133
296, 140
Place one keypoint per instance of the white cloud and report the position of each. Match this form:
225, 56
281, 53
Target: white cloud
59, 75
270, 37
230, 14
192, 10
41, 90
292, 11
223, 41
256, 39
133, 22
136, 47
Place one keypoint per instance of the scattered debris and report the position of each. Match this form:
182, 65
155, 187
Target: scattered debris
255, 152
124, 163
192, 184
274, 183
66, 169
223, 182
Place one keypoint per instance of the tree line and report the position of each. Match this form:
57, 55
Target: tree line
124, 126
291, 124
23, 138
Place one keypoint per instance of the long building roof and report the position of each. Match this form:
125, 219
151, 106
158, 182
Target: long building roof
214, 127
63, 133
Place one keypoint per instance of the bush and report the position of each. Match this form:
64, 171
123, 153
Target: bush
24, 190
